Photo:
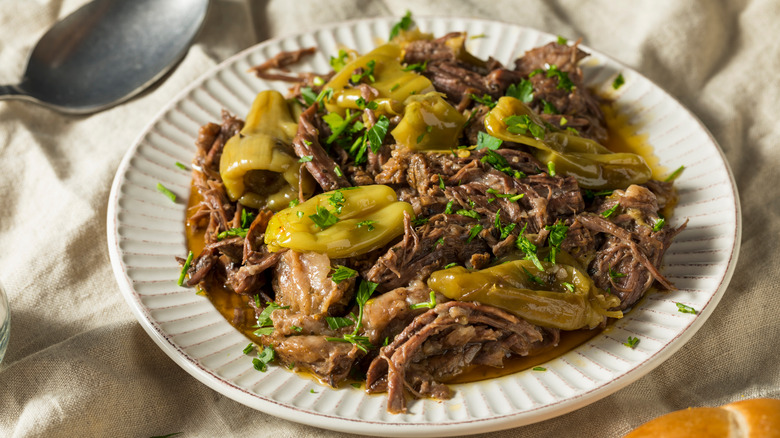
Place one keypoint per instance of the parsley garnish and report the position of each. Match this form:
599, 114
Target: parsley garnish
675, 174
299, 214
525, 245
337, 171
264, 318
549, 108
682, 308
487, 141
428, 130
473, 232
294, 203
337, 322
448, 209
181, 166
247, 218
522, 91
551, 168
362, 104
539, 369
305, 158
405, 23
533, 277
568, 286
233, 232
296, 328
611, 211
468, 213
562, 41
505, 230
338, 124
439, 241
631, 342
430, 304
369, 224
248, 349
564, 82
486, 100
441, 182
340, 61
364, 292
555, 238
376, 134
264, 358
308, 95
618, 82
342, 273
368, 72
659, 224
523, 124
418, 67
501, 164
416, 222
511, 197
613, 274
185, 268
161, 188
450, 265
324, 218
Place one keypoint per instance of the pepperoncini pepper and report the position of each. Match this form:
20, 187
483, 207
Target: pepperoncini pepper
429, 123
594, 166
341, 223
258, 166
386, 75
562, 296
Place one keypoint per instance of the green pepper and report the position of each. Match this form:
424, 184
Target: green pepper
429, 123
366, 218
390, 80
562, 296
593, 165
258, 166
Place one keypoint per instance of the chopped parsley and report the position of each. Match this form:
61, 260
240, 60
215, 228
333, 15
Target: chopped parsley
439, 241
368, 223
501, 164
233, 232
365, 290
248, 349
525, 245
294, 203
416, 222
429, 305
185, 268
631, 342
299, 214
362, 104
264, 358
473, 232
523, 124
247, 218
539, 369
309, 96
264, 318
342, 273
340, 61
505, 230
441, 182
564, 82
568, 286
618, 82
675, 174
296, 328
181, 166
549, 108
487, 141
551, 168
405, 24
376, 134
682, 308
418, 67
659, 224
162, 189
522, 91
367, 72
451, 265
337, 322
555, 238
486, 100
339, 125
613, 274
562, 41
611, 211
448, 209
323, 218
468, 213
305, 158
337, 171
510, 196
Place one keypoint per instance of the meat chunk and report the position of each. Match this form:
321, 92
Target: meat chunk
442, 342
301, 281
307, 143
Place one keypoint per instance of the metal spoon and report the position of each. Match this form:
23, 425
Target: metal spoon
107, 52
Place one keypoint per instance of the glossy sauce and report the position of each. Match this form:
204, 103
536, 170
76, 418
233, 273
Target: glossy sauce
622, 138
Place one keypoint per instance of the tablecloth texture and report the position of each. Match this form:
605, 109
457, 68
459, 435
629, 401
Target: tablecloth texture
79, 364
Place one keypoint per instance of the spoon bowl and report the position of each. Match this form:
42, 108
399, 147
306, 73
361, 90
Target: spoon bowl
106, 52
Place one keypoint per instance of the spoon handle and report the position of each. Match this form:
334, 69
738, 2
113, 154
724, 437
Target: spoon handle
9, 91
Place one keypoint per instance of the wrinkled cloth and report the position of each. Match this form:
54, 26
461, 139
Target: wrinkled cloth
78, 362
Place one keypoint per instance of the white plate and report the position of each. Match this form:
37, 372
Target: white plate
146, 232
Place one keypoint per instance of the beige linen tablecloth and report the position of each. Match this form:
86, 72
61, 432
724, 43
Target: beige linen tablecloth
79, 364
